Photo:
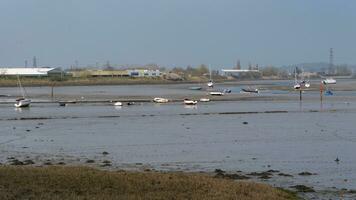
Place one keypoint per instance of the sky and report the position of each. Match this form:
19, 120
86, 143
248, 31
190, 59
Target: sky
176, 32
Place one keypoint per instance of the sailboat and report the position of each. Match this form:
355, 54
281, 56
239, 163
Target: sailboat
296, 84
249, 90
304, 82
329, 81
22, 101
190, 102
210, 83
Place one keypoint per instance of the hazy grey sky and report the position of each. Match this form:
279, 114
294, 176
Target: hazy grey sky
176, 32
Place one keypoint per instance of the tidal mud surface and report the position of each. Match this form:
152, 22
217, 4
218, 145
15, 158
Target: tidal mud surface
284, 143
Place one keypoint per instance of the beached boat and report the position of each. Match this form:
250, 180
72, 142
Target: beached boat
297, 86
307, 84
160, 100
210, 83
190, 102
304, 82
118, 103
62, 103
329, 81
195, 88
328, 93
22, 101
249, 90
216, 93
227, 91
204, 100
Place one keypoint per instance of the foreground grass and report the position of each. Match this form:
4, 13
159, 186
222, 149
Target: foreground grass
88, 183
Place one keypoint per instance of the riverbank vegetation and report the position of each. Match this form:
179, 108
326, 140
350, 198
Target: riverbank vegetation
87, 183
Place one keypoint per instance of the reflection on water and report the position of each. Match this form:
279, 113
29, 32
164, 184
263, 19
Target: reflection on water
18, 110
118, 107
191, 106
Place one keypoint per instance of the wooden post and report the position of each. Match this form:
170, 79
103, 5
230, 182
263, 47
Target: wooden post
300, 94
321, 91
52, 91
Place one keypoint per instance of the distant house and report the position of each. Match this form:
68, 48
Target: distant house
144, 72
22, 71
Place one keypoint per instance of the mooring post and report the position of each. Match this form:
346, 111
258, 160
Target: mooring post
52, 92
321, 91
300, 94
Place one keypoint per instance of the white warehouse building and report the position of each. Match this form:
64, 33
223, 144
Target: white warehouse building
21, 71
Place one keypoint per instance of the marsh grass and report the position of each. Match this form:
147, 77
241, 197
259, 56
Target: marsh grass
56, 182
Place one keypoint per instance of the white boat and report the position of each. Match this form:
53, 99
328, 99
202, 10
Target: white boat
296, 86
307, 84
190, 102
304, 82
210, 83
118, 103
329, 81
204, 100
160, 100
216, 93
22, 102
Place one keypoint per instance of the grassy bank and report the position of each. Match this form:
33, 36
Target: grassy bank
87, 183
45, 81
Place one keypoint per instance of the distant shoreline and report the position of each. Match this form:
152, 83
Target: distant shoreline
39, 82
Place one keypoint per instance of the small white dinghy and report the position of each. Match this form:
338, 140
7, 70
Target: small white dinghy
190, 102
160, 100
216, 93
204, 100
118, 103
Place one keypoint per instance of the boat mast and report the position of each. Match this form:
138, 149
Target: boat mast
295, 76
20, 85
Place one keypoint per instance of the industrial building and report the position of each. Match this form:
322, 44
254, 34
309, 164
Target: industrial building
22, 71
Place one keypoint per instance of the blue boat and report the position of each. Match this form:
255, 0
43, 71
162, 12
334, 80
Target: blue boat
328, 93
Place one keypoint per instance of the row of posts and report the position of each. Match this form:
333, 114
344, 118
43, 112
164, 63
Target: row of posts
321, 92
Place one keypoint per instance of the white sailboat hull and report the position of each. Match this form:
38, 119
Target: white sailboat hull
204, 100
329, 81
216, 93
22, 103
160, 100
190, 102
118, 103
210, 84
